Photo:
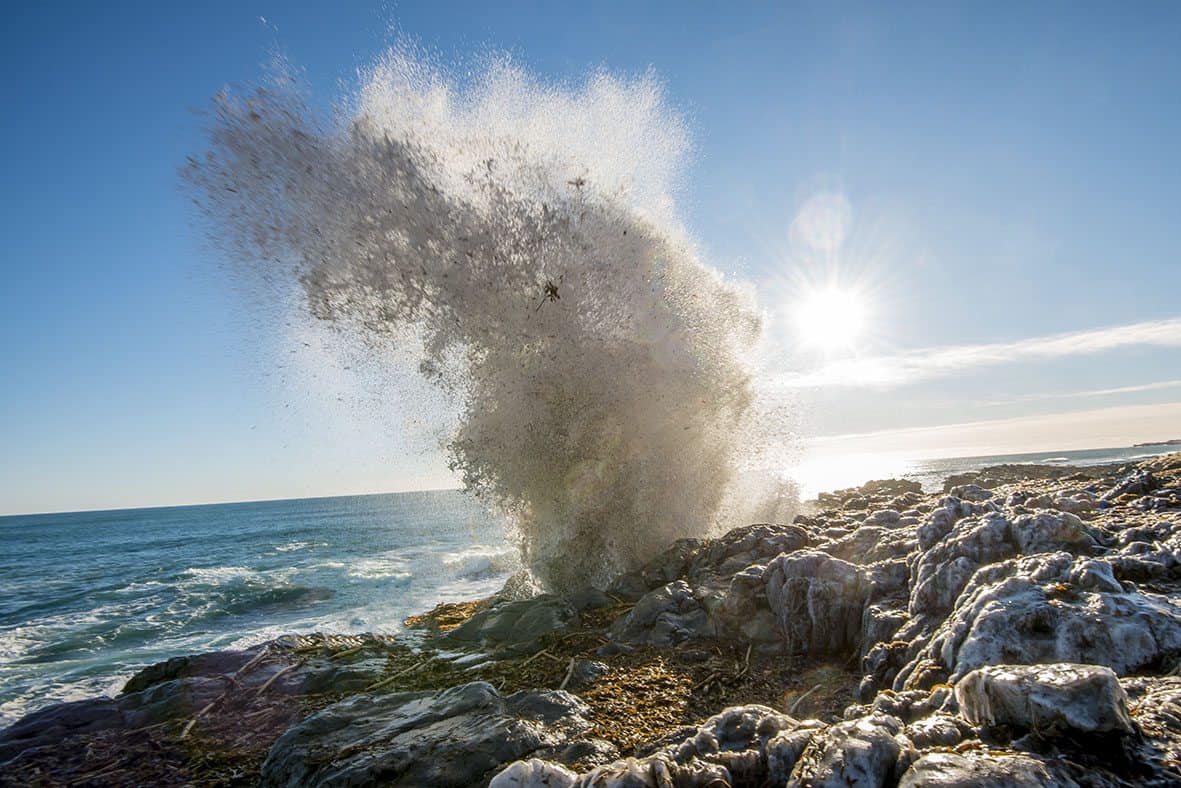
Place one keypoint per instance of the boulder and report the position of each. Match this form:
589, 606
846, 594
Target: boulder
1047, 608
669, 615
743, 613
942, 571
737, 740
971, 492
512, 627
534, 773
456, 737
655, 771
937, 730
1064, 697
784, 749
950, 770
859, 752
1136, 483
740, 547
1050, 532
818, 601
54, 723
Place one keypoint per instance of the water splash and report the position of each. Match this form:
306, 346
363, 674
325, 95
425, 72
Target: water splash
522, 238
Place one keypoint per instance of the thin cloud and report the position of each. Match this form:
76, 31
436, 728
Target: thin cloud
1164, 384
1073, 430
919, 365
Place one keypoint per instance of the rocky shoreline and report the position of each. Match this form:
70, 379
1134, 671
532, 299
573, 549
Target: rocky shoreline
1021, 628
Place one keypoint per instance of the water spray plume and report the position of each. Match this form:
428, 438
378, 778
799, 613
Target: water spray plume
522, 239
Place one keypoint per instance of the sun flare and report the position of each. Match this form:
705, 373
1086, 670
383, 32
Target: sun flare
831, 318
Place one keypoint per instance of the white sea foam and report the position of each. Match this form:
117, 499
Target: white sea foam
293, 546
521, 239
217, 574
380, 568
482, 560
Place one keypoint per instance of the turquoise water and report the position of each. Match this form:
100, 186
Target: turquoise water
87, 598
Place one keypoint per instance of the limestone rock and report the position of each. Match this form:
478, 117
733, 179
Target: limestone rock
938, 730
943, 570
666, 616
949, 770
1137, 483
1049, 608
818, 600
1076, 698
858, 752
534, 773
737, 740
971, 492
1050, 532
512, 627
784, 749
655, 771
452, 738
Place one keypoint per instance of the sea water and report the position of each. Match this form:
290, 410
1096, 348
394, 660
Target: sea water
88, 598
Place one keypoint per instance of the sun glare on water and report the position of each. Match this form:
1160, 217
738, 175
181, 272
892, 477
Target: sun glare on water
831, 319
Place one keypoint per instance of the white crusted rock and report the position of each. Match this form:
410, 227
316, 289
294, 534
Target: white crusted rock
949, 770
534, 773
1041, 698
1042, 609
860, 752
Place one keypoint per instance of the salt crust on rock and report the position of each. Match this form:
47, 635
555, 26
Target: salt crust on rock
1048, 608
1062, 697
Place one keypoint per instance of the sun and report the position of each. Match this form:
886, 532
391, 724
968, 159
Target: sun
831, 318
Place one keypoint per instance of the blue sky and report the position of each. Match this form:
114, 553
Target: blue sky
1008, 177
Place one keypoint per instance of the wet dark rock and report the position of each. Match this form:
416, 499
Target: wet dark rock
213, 663
1137, 483
457, 737
512, 627
585, 673
50, 725
669, 615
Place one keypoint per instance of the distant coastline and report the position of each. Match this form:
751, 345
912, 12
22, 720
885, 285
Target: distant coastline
1173, 442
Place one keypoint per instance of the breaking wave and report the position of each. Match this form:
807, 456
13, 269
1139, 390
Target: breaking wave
521, 240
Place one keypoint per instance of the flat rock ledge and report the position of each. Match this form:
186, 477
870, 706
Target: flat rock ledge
1020, 628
